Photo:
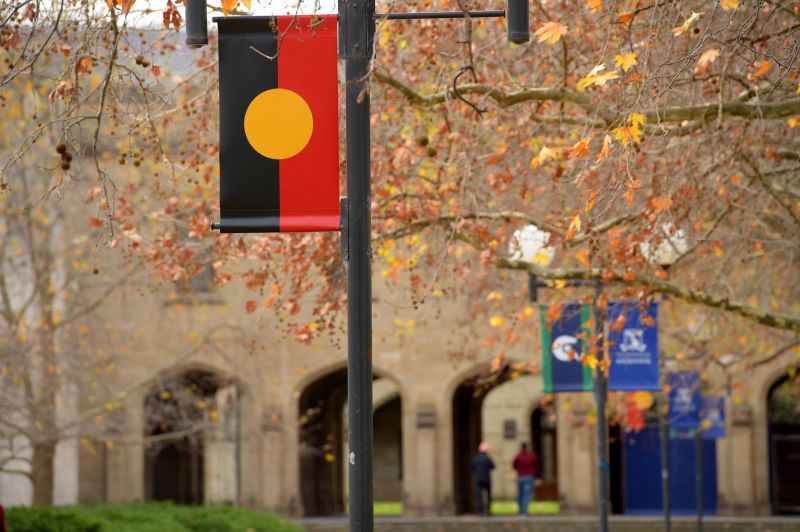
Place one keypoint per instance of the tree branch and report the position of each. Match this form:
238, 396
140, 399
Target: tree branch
775, 320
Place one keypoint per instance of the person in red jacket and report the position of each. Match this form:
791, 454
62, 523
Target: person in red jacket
526, 464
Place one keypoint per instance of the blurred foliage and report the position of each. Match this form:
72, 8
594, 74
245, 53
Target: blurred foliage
141, 517
784, 401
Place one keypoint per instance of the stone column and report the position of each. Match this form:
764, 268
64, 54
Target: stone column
420, 464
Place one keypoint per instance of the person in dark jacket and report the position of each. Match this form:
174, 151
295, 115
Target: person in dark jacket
526, 464
481, 466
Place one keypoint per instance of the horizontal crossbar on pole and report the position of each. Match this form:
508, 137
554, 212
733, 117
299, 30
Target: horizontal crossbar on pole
439, 14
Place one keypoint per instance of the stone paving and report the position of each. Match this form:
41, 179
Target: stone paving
559, 524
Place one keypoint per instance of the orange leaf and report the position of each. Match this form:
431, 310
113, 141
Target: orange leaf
763, 67
625, 17
594, 5
574, 227
581, 148
590, 203
228, 5
95, 222
583, 257
629, 276
629, 196
550, 32
251, 306
660, 204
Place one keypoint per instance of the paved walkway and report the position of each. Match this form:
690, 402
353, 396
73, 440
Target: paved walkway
558, 524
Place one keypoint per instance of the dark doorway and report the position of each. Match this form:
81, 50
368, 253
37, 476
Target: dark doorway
321, 450
178, 413
783, 407
545, 445
388, 452
467, 430
323, 440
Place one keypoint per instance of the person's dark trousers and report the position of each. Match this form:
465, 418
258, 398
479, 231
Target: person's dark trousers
480, 488
525, 489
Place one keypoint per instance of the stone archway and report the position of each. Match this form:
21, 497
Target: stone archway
191, 438
322, 434
508, 425
783, 432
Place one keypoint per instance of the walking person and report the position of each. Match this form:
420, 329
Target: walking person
481, 466
526, 464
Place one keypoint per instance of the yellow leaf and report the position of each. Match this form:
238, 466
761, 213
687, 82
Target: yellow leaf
583, 257
763, 67
545, 154
496, 321
625, 61
688, 23
550, 32
494, 296
590, 360
636, 119
574, 227
560, 283
528, 312
793, 121
626, 134
594, 77
594, 5
246, 4
729, 5
708, 57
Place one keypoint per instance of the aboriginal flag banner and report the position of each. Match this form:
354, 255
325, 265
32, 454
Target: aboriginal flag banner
279, 125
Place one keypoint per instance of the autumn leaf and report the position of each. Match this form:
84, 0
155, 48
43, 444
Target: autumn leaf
594, 77
581, 148
496, 321
594, 5
708, 57
729, 5
574, 227
590, 203
251, 306
763, 67
688, 23
604, 151
660, 204
631, 132
583, 257
625, 61
625, 17
545, 154
95, 222
228, 6
550, 32
84, 65
247, 4
793, 122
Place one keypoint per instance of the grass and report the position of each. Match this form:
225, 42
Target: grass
144, 517
498, 508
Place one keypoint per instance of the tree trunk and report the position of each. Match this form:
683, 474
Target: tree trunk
42, 473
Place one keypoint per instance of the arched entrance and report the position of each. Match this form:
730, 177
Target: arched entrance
783, 408
323, 441
486, 408
191, 442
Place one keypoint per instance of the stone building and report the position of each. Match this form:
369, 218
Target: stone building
278, 417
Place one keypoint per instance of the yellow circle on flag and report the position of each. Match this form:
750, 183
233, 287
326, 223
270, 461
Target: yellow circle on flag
278, 123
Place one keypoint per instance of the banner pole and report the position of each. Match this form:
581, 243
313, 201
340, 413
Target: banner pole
601, 392
698, 465
358, 22
662, 419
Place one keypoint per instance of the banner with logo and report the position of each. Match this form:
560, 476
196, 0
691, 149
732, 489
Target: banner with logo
633, 346
684, 400
564, 339
279, 125
712, 416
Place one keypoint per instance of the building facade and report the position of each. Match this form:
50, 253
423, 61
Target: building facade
272, 417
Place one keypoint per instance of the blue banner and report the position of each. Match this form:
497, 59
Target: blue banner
563, 345
712, 416
684, 400
633, 347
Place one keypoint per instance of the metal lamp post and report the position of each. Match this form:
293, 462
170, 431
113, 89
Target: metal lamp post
664, 255
530, 245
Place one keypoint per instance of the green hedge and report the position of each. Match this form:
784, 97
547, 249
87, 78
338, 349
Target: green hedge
144, 517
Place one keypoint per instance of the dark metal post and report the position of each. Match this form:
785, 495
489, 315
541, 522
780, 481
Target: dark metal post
698, 469
358, 33
600, 394
196, 23
518, 22
664, 426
